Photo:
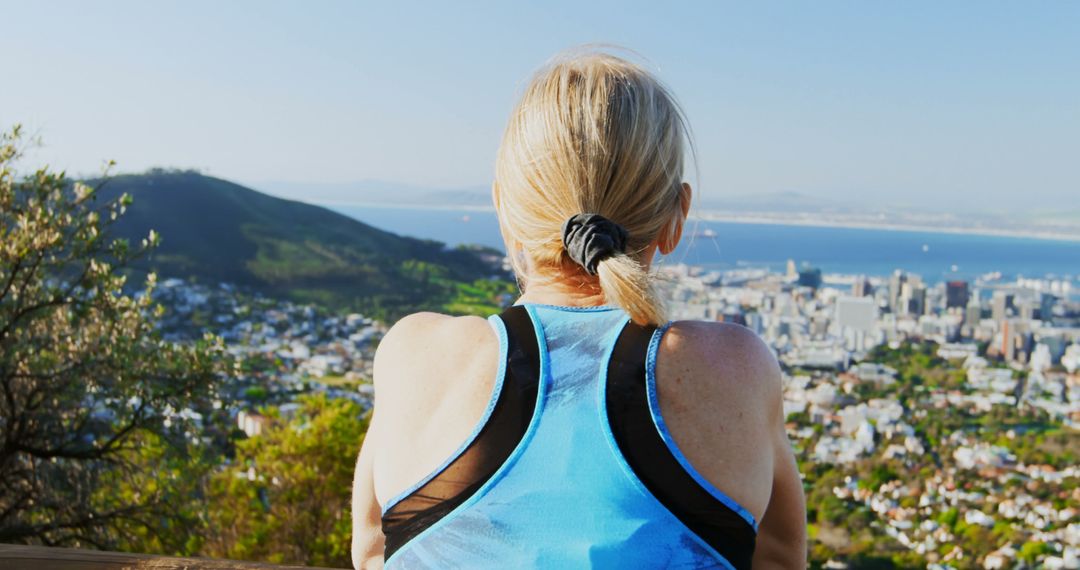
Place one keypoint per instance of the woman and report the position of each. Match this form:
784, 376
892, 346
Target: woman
579, 428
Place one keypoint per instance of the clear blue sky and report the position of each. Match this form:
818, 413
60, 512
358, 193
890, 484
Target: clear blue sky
975, 104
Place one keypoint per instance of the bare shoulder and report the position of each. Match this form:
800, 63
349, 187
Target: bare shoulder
723, 356
424, 327
434, 375
424, 342
719, 390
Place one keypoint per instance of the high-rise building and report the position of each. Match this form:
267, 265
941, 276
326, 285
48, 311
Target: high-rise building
896, 283
956, 294
810, 277
783, 328
917, 301
754, 322
1046, 307
1026, 309
732, 316
912, 298
862, 287
1001, 305
1055, 344
1026, 340
973, 312
859, 313
819, 326
1008, 345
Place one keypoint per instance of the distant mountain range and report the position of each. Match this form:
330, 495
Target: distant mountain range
392, 193
381, 192
776, 207
217, 231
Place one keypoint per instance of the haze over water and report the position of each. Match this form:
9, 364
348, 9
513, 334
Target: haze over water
834, 250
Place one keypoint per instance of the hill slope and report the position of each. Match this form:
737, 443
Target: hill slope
215, 231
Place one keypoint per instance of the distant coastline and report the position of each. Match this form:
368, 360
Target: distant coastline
402, 205
759, 218
805, 219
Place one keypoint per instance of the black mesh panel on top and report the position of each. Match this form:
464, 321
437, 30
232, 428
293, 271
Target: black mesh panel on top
652, 461
494, 443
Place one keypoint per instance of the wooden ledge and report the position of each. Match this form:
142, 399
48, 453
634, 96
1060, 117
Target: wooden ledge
18, 557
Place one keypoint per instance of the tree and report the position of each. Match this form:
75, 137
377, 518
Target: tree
1030, 552
286, 497
85, 378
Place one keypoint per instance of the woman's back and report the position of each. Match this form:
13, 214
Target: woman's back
618, 444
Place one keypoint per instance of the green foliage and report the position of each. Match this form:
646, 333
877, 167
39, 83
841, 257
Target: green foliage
286, 497
800, 418
482, 297
175, 477
1031, 551
949, 518
255, 394
85, 375
1058, 449
879, 475
909, 559
871, 562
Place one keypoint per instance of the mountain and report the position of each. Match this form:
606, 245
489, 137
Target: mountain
217, 231
774, 202
382, 192
393, 193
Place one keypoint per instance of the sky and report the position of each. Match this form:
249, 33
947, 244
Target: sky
971, 106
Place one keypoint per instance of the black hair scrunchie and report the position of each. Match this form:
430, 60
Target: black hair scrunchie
590, 238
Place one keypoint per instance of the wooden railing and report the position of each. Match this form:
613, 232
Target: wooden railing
15, 557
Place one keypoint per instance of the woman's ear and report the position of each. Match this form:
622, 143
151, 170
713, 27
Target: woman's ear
686, 195
672, 233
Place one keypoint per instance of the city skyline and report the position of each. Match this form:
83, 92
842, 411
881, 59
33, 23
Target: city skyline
964, 107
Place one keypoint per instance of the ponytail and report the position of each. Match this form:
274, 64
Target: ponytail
626, 283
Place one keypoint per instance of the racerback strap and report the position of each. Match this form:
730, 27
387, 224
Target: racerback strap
639, 440
492, 445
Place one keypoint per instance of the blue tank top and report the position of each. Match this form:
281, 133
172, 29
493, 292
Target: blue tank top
571, 465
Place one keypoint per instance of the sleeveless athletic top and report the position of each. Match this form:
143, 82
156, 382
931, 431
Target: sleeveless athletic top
571, 465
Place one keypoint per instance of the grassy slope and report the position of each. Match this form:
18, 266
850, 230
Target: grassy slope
215, 231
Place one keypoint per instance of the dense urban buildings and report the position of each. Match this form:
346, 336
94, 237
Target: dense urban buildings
940, 420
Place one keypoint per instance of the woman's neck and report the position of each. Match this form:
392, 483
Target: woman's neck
570, 287
576, 291
553, 298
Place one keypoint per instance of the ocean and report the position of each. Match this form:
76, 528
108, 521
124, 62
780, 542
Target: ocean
729, 245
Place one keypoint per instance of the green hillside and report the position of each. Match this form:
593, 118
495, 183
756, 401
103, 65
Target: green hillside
218, 231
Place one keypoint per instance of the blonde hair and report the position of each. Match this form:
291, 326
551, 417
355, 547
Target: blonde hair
595, 133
